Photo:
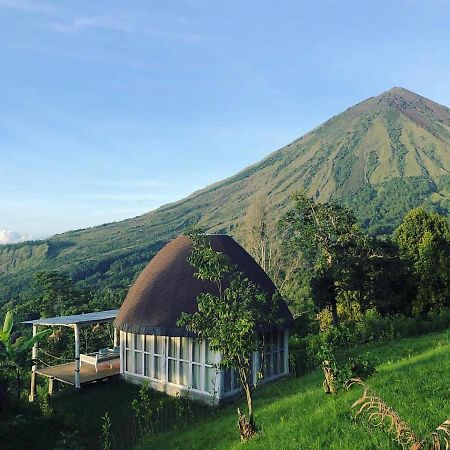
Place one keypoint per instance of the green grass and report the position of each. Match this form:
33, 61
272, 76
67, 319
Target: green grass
412, 377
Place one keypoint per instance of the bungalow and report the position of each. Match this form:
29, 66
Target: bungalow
154, 348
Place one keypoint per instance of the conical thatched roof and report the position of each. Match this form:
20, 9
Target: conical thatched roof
167, 287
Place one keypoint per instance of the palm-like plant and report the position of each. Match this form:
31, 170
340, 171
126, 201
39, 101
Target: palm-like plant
15, 355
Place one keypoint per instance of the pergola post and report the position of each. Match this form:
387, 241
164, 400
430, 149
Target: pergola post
115, 337
77, 356
34, 352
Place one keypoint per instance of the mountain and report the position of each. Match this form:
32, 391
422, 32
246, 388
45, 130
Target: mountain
381, 157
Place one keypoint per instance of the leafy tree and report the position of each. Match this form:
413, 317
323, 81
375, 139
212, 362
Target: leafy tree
347, 267
15, 355
329, 238
231, 318
423, 239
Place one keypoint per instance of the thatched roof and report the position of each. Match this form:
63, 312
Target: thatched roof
167, 287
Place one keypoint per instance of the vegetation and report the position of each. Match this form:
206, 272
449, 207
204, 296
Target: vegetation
424, 241
230, 321
411, 377
15, 355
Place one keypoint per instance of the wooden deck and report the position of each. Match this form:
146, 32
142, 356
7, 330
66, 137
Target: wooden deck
65, 372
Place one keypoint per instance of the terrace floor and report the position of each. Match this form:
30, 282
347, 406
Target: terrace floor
65, 372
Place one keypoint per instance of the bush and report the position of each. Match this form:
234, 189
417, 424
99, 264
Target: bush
372, 327
362, 366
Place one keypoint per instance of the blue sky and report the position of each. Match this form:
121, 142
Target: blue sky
110, 109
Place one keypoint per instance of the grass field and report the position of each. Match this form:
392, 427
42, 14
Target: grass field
413, 377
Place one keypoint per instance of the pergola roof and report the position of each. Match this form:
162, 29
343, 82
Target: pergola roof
77, 319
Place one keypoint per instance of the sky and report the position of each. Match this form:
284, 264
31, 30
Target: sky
110, 109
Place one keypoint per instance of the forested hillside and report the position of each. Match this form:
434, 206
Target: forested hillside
381, 158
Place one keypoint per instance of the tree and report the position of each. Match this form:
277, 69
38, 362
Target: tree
264, 241
328, 236
423, 239
15, 355
258, 230
231, 318
54, 294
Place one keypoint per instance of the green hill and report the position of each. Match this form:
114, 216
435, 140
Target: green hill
294, 413
298, 414
381, 157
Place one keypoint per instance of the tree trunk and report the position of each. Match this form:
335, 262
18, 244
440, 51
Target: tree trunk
247, 428
329, 385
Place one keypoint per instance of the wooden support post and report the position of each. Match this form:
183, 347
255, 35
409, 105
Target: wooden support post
77, 357
34, 352
115, 337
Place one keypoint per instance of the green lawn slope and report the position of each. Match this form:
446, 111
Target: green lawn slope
412, 377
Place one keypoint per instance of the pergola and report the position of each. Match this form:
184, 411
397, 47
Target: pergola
75, 322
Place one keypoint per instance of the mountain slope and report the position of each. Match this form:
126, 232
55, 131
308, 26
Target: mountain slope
381, 157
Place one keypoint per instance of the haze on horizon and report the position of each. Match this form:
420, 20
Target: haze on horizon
109, 110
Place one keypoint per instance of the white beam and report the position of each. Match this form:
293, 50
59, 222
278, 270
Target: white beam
77, 356
34, 353
115, 336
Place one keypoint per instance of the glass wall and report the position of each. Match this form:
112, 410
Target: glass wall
191, 364
180, 361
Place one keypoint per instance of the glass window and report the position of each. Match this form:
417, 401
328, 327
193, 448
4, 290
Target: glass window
268, 364
196, 351
147, 363
149, 343
227, 380
138, 363
275, 363
196, 382
129, 361
157, 367
173, 347
173, 371
209, 355
236, 380
184, 375
128, 340
184, 348
159, 345
138, 342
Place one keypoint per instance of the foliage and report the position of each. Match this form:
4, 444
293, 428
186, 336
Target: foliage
15, 355
143, 411
69, 441
373, 327
348, 266
230, 319
106, 437
423, 239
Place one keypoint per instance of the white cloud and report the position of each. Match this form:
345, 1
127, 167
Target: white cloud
26, 6
82, 23
12, 237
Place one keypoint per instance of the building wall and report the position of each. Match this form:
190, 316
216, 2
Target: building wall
176, 365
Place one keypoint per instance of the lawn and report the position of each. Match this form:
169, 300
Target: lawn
412, 377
